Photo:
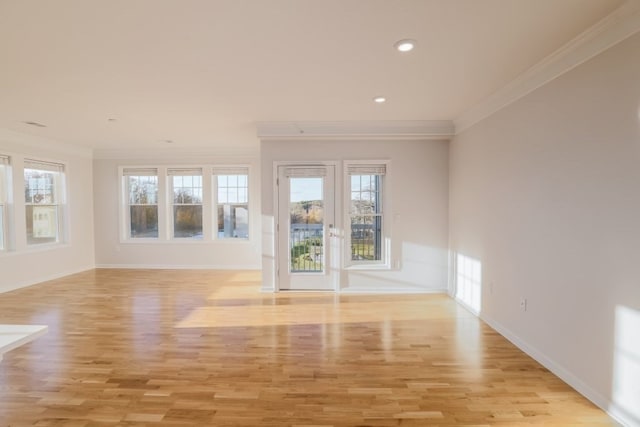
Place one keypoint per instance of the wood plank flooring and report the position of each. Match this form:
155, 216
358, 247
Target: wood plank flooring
205, 348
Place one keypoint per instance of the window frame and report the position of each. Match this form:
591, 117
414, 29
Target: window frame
5, 173
165, 203
228, 170
138, 171
171, 204
385, 244
59, 198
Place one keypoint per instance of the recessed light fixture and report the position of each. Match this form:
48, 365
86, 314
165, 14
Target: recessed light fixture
167, 141
36, 124
405, 45
379, 99
111, 120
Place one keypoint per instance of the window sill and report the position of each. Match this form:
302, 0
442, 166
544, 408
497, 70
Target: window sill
238, 240
361, 267
44, 247
182, 241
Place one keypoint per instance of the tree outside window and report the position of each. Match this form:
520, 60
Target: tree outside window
142, 189
44, 198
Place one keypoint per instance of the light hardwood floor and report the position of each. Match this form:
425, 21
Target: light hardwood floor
198, 348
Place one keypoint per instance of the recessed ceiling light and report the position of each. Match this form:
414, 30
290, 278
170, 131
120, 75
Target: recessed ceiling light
405, 45
167, 141
379, 99
111, 120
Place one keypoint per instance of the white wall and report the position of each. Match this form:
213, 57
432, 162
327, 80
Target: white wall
112, 252
546, 195
418, 177
22, 265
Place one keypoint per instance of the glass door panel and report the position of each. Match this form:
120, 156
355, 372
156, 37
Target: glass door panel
306, 225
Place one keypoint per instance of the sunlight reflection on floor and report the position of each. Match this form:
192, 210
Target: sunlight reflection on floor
306, 313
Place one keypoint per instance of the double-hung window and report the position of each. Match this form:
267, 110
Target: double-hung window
44, 201
366, 216
186, 188
4, 166
232, 202
141, 189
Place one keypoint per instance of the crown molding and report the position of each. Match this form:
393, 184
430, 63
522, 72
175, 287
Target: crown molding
176, 153
614, 28
405, 129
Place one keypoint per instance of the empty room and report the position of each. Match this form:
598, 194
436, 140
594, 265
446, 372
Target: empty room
319, 213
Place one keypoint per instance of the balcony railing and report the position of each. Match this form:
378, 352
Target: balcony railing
307, 254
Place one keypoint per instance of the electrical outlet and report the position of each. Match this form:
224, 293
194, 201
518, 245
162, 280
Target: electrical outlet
523, 304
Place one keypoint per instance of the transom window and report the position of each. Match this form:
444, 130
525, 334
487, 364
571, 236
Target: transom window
142, 199
366, 213
186, 185
44, 201
232, 202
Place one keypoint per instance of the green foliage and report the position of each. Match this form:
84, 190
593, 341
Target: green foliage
363, 251
302, 254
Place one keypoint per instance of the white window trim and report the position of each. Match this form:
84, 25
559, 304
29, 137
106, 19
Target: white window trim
165, 206
225, 170
171, 172
3, 227
61, 190
125, 212
5, 162
386, 255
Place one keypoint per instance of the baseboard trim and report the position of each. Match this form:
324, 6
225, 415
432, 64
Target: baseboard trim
39, 280
622, 416
560, 371
178, 267
391, 291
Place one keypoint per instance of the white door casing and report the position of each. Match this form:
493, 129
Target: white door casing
307, 253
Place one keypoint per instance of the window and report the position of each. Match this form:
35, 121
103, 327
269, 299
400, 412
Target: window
165, 203
186, 186
44, 201
142, 196
4, 166
232, 202
366, 213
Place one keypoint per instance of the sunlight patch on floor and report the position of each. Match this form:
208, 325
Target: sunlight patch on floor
292, 314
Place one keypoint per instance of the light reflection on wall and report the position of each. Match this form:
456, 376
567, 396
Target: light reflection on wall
469, 282
626, 366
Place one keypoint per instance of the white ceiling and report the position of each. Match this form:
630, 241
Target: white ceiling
202, 72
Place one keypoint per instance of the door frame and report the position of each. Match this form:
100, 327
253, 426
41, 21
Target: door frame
336, 242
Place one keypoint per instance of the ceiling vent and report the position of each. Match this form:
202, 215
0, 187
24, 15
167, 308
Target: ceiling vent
36, 124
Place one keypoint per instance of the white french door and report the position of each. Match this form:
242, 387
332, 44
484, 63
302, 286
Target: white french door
306, 228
